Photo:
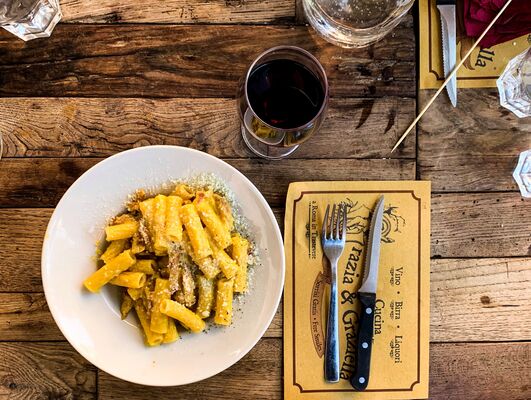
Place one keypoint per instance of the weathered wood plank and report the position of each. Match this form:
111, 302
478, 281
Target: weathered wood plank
179, 11
471, 300
480, 225
78, 127
55, 370
494, 371
41, 182
255, 376
480, 300
473, 147
299, 12
190, 61
21, 234
22, 230
491, 371
26, 317
45, 371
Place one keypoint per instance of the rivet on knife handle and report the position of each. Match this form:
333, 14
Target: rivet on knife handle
360, 379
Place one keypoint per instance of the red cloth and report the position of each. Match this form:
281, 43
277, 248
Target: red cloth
514, 22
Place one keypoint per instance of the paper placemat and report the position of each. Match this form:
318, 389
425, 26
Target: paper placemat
400, 361
484, 65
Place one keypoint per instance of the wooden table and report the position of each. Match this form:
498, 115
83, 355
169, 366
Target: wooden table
122, 74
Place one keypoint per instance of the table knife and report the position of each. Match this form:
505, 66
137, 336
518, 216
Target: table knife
367, 297
449, 49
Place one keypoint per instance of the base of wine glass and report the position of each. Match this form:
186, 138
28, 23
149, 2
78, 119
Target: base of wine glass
264, 150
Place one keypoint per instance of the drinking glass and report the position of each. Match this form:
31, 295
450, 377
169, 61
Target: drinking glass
355, 23
522, 173
299, 76
514, 85
29, 19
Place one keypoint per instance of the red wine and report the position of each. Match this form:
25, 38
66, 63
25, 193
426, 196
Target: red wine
285, 94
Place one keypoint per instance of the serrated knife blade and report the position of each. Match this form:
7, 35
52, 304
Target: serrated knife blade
449, 47
372, 260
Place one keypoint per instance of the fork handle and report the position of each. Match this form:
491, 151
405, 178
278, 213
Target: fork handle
332, 337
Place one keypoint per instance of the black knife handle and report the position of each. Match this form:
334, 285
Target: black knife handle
360, 379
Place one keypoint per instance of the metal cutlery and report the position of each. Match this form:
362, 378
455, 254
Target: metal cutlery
333, 242
449, 48
367, 297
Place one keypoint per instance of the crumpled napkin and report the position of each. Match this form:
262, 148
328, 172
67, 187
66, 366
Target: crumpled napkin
513, 23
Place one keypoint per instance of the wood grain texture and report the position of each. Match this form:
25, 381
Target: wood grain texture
179, 11
26, 317
299, 12
480, 300
22, 231
190, 61
471, 300
458, 371
480, 225
494, 371
79, 127
473, 147
255, 376
41, 182
21, 235
45, 371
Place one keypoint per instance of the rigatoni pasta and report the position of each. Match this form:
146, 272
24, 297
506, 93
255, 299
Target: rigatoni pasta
121, 231
159, 321
205, 300
195, 230
224, 302
177, 260
127, 279
174, 226
113, 268
114, 248
240, 249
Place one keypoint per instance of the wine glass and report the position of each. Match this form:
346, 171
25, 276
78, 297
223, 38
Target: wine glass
281, 101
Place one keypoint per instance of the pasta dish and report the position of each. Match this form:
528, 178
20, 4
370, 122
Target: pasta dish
178, 259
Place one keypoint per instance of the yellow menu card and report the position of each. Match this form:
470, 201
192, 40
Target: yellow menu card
400, 351
482, 68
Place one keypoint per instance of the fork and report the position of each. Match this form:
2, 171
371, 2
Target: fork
333, 242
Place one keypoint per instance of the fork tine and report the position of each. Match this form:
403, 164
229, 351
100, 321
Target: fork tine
338, 221
332, 229
344, 233
325, 223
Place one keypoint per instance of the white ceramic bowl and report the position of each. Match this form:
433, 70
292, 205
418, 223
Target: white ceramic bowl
91, 322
